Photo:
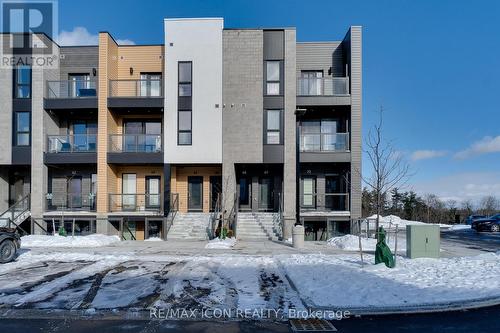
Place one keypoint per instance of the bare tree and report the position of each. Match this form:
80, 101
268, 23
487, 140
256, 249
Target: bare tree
489, 205
390, 169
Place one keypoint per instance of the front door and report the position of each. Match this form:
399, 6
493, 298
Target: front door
215, 190
266, 193
153, 192
245, 193
195, 193
75, 192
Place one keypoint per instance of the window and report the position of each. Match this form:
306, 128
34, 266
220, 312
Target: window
142, 136
311, 83
184, 125
273, 77
22, 82
273, 128
80, 86
309, 192
150, 84
321, 135
185, 78
22, 137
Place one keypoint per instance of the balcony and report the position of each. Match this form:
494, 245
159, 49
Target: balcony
324, 147
71, 149
140, 203
135, 149
329, 203
64, 202
323, 91
70, 94
135, 94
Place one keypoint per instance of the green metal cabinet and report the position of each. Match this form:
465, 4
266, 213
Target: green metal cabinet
422, 241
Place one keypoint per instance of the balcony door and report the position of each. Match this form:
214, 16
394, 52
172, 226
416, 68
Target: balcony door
129, 191
79, 85
195, 193
84, 136
320, 135
311, 83
150, 84
142, 136
266, 193
309, 192
153, 192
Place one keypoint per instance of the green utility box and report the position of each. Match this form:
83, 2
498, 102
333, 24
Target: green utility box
422, 241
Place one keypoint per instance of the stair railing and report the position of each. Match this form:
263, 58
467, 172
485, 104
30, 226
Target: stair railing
214, 216
278, 218
13, 212
174, 208
232, 217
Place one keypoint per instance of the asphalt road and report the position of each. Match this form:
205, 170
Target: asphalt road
486, 241
483, 320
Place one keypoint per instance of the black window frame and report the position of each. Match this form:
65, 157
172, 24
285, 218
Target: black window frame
16, 84
267, 130
179, 131
17, 132
267, 81
179, 82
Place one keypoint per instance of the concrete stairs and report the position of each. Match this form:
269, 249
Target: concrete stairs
190, 227
256, 227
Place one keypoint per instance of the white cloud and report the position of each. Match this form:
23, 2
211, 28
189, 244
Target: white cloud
486, 145
461, 186
81, 36
427, 154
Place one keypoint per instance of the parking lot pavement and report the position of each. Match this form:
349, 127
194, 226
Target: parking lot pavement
470, 240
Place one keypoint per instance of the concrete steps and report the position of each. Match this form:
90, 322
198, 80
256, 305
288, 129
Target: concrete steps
256, 227
189, 226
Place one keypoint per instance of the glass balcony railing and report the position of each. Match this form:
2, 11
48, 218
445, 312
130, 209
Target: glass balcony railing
135, 202
70, 202
324, 142
136, 88
321, 86
71, 89
77, 143
326, 201
135, 143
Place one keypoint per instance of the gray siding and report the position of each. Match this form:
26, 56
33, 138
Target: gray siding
353, 49
321, 56
242, 117
81, 59
289, 179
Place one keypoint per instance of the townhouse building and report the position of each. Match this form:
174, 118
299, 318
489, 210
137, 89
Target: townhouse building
161, 140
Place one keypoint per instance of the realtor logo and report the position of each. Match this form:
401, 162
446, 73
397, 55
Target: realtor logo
28, 29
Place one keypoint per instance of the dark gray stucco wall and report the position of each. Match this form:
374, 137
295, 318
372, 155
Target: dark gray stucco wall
321, 56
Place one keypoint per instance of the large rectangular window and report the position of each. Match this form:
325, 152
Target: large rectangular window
185, 78
150, 84
22, 82
273, 77
273, 127
22, 126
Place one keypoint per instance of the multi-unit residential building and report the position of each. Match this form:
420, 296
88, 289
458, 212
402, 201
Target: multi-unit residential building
160, 140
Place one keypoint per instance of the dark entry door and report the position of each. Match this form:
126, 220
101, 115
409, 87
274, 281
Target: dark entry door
245, 194
266, 193
75, 192
215, 190
195, 193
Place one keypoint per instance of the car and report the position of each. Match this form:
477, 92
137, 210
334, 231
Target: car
10, 243
491, 223
472, 218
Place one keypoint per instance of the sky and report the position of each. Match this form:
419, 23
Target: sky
433, 66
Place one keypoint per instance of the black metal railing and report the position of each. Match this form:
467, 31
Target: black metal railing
70, 202
124, 202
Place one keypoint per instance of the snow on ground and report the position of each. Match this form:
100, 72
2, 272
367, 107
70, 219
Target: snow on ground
154, 239
391, 220
55, 279
68, 241
460, 227
351, 243
340, 281
218, 243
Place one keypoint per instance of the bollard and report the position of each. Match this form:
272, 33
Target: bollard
298, 236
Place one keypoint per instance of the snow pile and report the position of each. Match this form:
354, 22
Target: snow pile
341, 281
218, 243
460, 227
390, 221
351, 243
154, 239
69, 241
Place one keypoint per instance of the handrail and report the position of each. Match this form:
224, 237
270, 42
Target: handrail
323, 86
174, 208
72, 143
278, 221
71, 89
17, 209
149, 88
214, 216
135, 143
135, 202
324, 142
328, 206
233, 214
